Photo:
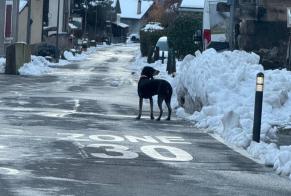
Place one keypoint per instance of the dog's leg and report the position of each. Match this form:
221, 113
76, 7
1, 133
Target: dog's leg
152, 108
160, 102
140, 108
168, 103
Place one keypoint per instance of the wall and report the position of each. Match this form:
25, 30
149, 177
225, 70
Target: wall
36, 15
22, 28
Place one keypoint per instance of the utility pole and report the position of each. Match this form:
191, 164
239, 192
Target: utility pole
57, 32
15, 20
96, 19
232, 37
86, 13
2, 26
28, 35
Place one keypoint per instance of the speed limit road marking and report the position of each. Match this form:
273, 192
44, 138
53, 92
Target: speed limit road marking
108, 146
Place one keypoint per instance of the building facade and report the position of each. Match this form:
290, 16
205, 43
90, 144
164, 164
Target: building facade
36, 22
8, 23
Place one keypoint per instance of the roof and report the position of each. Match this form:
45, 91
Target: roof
195, 4
120, 24
129, 8
114, 3
22, 4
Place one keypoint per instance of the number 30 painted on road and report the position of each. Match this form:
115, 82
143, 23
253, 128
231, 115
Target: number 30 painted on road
151, 151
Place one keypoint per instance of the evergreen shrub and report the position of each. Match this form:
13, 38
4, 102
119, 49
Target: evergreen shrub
148, 39
181, 34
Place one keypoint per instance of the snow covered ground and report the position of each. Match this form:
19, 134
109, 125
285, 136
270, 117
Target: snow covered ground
2, 65
40, 66
225, 84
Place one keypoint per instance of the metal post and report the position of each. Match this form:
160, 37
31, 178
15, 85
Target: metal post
288, 63
232, 24
2, 25
96, 22
157, 54
258, 107
163, 57
15, 20
28, 35
57, 32
86, 12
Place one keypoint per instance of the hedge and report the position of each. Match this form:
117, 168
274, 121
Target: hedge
148, 39
181, 34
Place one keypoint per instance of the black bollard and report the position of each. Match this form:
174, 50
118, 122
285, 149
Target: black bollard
150, 55
171, 63
163, 57
157, 54
258, 107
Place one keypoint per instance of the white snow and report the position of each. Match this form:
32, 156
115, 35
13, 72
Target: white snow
40, 66
83, 56
2, 65
37, 66
192, 3
129, 8
79, 57
225, 84
153, 26
22, 4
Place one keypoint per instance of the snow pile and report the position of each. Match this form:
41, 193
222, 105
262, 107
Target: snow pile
225, 84
84, 55
38, 66
78, 57
2, 65
154, 26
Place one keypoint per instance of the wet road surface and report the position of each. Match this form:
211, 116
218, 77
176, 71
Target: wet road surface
73, 132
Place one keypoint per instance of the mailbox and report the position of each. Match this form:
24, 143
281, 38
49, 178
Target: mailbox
289, 17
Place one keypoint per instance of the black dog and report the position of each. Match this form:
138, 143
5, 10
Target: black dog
148, 87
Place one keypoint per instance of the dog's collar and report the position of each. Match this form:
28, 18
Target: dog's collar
143, 76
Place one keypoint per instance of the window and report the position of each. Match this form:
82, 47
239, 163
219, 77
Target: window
8, 20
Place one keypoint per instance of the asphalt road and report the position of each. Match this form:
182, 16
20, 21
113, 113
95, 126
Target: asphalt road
73, 132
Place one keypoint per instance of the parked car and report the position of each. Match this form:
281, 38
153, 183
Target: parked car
215, 26
162, 43
134, 37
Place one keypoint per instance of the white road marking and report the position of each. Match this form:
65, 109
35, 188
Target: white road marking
236, 149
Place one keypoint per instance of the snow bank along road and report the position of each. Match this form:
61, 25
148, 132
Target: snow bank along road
73, 132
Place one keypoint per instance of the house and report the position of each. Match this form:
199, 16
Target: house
192, 6
134, 13
56, 16
36, 15
119, 29
50, 13
8, 23
95, 18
